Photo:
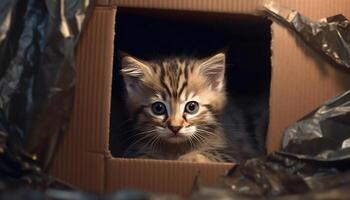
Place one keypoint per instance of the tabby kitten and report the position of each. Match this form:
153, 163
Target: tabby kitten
175, 104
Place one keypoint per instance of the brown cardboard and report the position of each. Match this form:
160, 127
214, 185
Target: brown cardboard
226, 6
81, 156
160, 176
301, 81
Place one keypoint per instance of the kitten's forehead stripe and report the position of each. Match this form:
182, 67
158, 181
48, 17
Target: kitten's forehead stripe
170, 80
187, 93
162, 80
192, 68
182, 87
177, 81
186, 73
163, 95
154, 68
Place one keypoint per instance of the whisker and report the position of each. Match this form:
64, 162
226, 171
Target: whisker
191, 143
205, 131
202, 138
141, 133
149, 142
157, 141
154, 141
196, 138
139, 140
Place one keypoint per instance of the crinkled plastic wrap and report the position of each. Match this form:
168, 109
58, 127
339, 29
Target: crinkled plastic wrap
55, 194
330, 36
313, 162
281, 177
37, 74
323, 134
37, 40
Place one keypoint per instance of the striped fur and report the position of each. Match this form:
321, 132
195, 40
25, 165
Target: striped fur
174, 82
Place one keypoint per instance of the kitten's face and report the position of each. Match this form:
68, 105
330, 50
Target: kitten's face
175, 100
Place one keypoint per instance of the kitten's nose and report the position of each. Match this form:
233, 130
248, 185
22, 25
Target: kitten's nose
175, 129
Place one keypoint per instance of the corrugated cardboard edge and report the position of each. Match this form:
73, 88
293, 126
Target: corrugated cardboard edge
299, 83
194, 5
314, 9
301, 79
80, 159
298, 91
173, 177
83, 159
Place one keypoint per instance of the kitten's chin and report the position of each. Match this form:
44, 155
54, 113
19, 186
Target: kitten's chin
176, 139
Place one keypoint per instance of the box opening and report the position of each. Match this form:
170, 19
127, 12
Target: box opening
246, 39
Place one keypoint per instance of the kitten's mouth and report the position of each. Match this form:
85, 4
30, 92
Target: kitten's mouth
178, 138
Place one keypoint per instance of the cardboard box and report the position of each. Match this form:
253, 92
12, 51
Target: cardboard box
301, 81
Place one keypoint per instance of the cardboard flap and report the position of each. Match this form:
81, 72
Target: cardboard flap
160, 176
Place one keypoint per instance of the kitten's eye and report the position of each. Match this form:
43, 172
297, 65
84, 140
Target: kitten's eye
158, 108
192, 107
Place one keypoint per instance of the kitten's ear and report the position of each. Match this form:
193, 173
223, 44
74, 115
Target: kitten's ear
135, 72
213, 69
133, 67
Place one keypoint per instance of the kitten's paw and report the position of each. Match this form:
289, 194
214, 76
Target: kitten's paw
194, 157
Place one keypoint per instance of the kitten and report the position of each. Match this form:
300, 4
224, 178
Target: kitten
175, 104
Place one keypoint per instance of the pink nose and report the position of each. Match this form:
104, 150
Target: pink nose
175, 129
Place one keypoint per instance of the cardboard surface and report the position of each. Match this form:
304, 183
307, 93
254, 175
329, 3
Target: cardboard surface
80, 158
160, 176
301, 79
300, 82
228, 6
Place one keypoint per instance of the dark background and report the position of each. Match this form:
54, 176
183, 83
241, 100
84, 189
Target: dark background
150, 33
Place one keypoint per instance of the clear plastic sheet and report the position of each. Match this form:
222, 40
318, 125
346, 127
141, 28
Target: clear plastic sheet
329, 36
37, 74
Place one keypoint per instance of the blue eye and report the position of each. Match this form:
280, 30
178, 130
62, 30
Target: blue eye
158, 108
192, 107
